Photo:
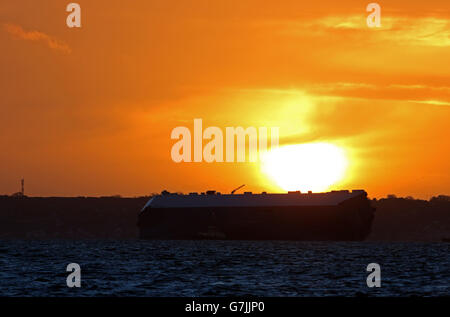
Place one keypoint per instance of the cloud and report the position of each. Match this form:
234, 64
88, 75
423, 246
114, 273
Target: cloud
427, 31
371, 91
424, 94
432, 102
411, 31
37, 36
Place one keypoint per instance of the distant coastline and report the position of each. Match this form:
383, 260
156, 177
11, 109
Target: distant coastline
396, 219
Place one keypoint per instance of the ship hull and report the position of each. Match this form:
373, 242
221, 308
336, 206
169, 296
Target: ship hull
350, 220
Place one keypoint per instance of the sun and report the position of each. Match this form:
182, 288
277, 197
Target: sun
305, 167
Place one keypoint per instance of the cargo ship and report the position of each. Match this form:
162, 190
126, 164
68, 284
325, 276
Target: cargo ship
331, 216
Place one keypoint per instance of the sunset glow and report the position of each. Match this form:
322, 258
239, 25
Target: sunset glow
305, 167
90, 110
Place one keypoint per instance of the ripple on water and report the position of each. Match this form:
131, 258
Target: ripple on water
223, 268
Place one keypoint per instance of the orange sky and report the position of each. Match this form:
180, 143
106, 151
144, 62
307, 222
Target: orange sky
89, 111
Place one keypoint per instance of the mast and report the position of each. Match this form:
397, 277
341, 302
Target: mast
232, 192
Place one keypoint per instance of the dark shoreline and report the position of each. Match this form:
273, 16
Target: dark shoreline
396, 219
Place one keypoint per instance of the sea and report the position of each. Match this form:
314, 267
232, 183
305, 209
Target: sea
135, 268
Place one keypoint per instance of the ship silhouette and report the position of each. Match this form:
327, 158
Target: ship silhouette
333, 216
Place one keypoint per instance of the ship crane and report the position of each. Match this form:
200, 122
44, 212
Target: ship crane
232, 192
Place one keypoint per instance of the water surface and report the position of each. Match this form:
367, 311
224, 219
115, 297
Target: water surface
223, 268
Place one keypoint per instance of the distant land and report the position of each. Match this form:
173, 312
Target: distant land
21, 217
